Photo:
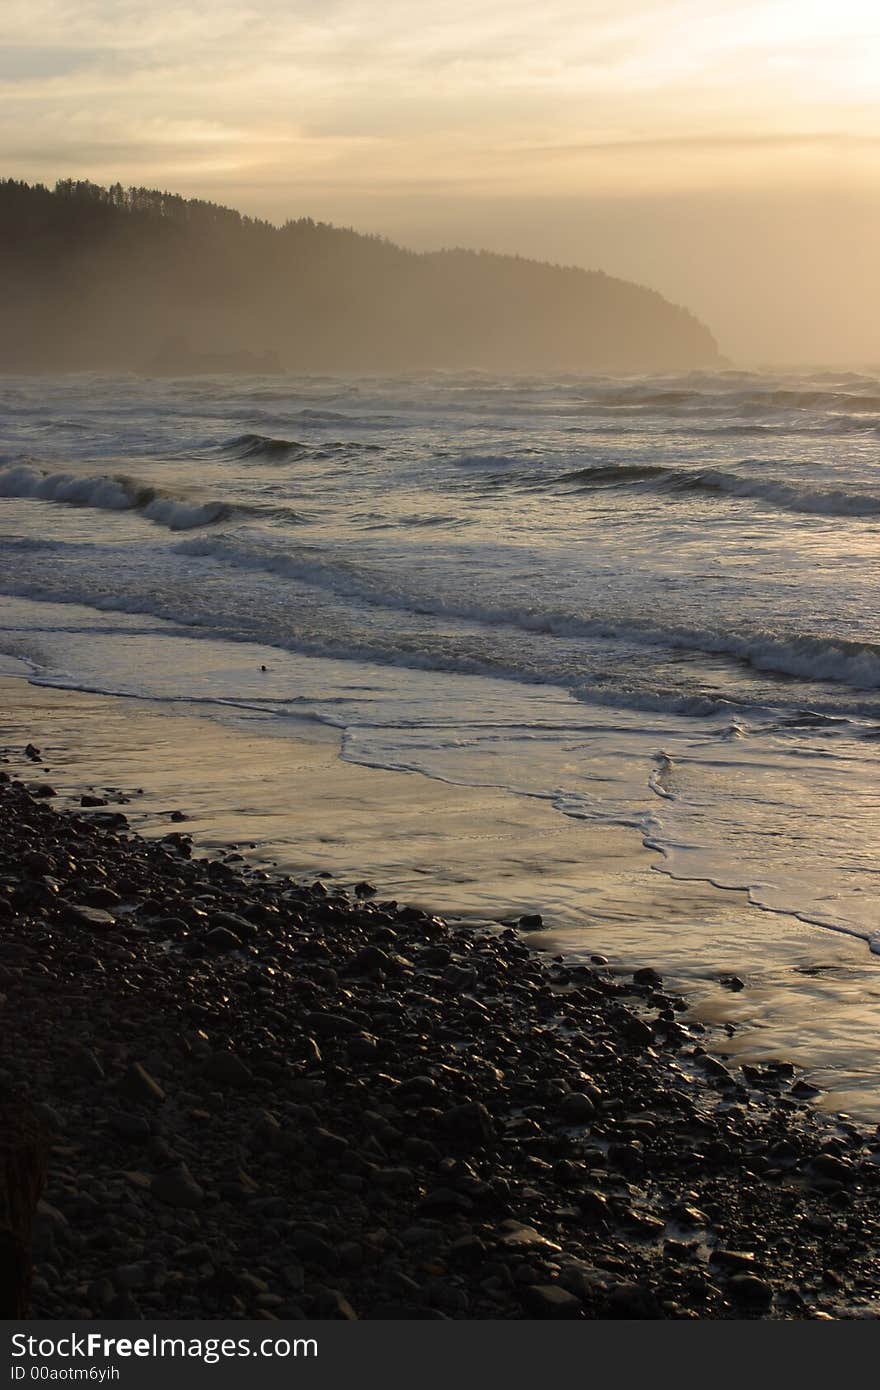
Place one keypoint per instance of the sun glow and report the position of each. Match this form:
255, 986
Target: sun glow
472, 123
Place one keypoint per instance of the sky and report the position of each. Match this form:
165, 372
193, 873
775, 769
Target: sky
725, 152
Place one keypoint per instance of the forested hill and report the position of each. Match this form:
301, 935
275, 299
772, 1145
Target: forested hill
96, 278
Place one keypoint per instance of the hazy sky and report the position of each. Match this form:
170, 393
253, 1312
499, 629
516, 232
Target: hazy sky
726, 152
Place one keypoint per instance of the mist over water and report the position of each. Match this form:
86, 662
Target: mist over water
650, 601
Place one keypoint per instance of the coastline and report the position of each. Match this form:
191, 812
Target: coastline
287, 798
343, 1107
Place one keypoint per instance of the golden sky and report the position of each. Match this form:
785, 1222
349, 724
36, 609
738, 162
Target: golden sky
726, 152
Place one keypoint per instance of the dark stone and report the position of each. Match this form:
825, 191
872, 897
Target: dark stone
647, 976
232, 922
575, 1108
221, 939
178, 1188
138, 1085
471, 1122
635, 1030
551, 1301
831, 1169
749, 1290
228, 1069
531, 921
78, 915
23, 1153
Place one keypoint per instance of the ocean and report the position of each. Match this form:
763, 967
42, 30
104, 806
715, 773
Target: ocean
650, 602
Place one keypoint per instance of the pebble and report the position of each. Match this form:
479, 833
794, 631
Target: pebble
139, 1085
334, 1106
178, 1188
551, 1301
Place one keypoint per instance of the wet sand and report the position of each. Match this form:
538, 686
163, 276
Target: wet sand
291, 801
275, 1098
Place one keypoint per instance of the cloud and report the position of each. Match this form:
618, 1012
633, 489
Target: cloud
461, 117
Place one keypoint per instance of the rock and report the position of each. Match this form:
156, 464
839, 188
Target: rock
742, 1260
515, 1235
689, 1216
531, 921
85, 1064
470, 1122
327, 1143
632, 1301
647, 976
331, 1024
178, 1188
50, 1228
133, 1127
228, 1069
575, 1108
79, 915
733, 982
49, 1116
314, 1249
372, 960
635, 1030
393, 1179
751, 1291
551, 1301
233, 922
134, 1276
88, 800
221, 939
831, 1169
23, 1152
331, 1303
139, 1086
443, 1199
642, 1223
594, 1207
804, 1090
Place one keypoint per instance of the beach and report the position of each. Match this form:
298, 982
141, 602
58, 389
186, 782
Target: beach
289, 801
288, 1092
589, 634
439, 842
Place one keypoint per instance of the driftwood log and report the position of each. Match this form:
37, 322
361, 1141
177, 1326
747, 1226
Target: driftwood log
23, 1152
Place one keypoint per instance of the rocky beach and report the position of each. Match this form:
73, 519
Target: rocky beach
276, 1097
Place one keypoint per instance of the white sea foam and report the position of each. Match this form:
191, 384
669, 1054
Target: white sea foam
115, 494
812, 656
501, 547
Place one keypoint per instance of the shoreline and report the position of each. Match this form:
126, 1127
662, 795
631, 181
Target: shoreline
275, 1098
289, 800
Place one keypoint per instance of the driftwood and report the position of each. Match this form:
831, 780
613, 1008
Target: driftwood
23, 1151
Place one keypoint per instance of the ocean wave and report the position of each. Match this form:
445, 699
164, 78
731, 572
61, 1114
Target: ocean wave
267, 448
811, 657
712, 481
748, 400
264, 446
114, 494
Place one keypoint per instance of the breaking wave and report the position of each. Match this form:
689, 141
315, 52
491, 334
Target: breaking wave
114, 494
715, 482
811, 657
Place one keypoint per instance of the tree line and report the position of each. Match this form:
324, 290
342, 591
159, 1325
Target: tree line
98, 278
